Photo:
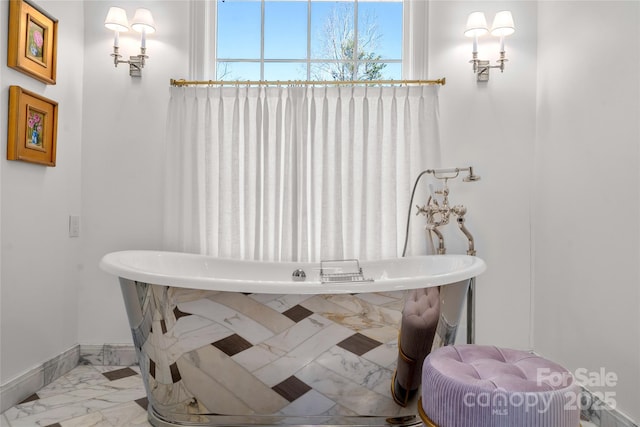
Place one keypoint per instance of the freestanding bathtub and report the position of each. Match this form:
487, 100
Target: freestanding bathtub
230, 342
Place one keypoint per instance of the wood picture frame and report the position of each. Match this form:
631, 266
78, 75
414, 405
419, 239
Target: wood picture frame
32, 128
33, 40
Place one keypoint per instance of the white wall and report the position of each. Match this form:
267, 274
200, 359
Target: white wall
587, 188
122, 155
40, 263
110, 172
491, 126
113, 137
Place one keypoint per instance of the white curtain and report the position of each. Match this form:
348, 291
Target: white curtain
296, 173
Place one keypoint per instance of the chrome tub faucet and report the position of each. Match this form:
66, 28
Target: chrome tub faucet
439, 214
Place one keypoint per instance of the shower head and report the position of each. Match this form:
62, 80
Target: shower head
471, 177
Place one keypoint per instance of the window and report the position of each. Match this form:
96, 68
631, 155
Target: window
309, 40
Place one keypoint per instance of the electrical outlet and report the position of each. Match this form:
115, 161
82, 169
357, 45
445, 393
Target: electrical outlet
74, 226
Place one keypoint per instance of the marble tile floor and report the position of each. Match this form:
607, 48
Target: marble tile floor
87, 396
90, 396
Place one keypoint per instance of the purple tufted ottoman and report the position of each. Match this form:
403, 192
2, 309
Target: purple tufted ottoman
486, 386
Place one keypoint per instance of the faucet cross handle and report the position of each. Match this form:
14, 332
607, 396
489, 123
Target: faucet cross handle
424, 210
459, 210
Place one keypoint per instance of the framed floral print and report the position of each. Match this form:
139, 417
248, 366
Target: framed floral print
33, 127
32, 41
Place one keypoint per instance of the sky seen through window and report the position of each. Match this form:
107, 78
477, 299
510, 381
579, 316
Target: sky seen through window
309, 40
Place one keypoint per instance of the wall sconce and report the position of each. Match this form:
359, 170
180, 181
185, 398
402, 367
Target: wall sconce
476, 27
143, 23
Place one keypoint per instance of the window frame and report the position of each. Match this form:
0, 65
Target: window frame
202, 40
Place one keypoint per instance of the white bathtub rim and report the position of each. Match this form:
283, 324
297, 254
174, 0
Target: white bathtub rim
120, 264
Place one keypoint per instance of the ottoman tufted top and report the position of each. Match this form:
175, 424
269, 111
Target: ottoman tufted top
485, 386
500, 368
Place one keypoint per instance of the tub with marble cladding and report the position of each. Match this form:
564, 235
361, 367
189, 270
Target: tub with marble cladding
235, 342
264, 354
210, 357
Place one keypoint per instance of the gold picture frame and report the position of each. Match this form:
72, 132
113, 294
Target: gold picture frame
33, 127
33, 39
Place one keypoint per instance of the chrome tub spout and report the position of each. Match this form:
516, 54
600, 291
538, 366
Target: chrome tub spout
441, 248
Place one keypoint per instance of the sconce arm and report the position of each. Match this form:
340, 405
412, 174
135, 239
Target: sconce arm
136, 63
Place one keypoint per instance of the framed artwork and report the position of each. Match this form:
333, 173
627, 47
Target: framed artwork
32, 45
32, 128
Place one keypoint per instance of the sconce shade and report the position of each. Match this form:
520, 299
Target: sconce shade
476, 25
143, 20
503, 24
117, 20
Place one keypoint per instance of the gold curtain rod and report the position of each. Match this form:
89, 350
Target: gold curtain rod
182, 82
